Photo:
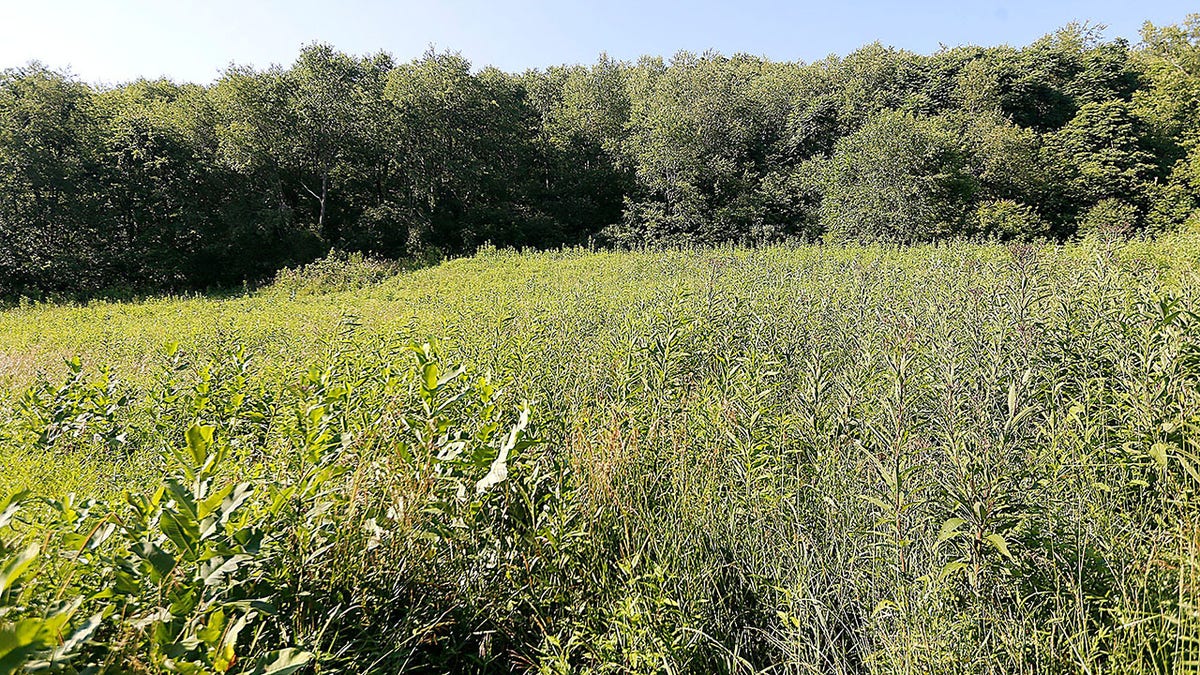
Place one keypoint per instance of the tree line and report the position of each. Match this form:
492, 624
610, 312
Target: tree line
155, 185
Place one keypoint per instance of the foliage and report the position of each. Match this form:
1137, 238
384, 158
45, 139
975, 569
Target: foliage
212, 570
338, 271
155, 186
965, 458
1006, 219
1108, 219
899, 178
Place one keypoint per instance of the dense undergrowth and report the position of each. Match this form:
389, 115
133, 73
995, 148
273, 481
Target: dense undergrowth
942, 459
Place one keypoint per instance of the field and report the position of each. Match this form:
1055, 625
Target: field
938, 459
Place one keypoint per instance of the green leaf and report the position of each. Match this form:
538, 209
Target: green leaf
883, 506
161, 562
241, 492
16, 566
183, 532
451, 375
282, 662
213, 571
20, 642
225, 655
210, 503
199, 439
948, 531
1191, 471
429, 375
185, 502
76, 639
182, 603
1159, 452
10, 505
231, 499
212, 631
951, 568
1000, 545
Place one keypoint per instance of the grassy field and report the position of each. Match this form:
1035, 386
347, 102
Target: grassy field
951, 459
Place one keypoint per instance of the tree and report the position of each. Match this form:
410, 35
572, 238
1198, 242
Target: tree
900, 178
704, 131
1108, 219
584, 130
327, 93
1045, 85
1170, 61
1006, 219
252, 136
1102, 153
162, 186
155, 185
50, 237
1170, 104
470, 142
1005, 160
305, 130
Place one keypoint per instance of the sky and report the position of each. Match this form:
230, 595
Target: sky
112, 41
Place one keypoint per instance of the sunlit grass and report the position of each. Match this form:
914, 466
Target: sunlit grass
957, 458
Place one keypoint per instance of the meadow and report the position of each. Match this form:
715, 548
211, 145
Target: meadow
954, 458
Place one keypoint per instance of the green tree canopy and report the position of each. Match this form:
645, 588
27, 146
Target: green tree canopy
900, 178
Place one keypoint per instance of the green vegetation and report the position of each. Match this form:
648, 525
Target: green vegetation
788, 459
158, 186
887, 363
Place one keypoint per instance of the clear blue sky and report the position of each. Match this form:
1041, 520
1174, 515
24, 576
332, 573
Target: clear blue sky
193, 40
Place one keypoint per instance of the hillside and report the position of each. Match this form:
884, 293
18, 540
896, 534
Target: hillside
945, 458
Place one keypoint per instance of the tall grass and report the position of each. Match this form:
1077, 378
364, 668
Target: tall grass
952, 459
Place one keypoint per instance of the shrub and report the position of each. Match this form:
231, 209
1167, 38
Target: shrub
338, 271
219, 567
948, 459
899, 179
1009, 220
1108, 219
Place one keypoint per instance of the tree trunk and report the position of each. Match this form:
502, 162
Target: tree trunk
324, 195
